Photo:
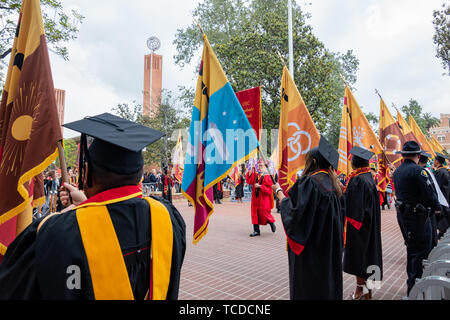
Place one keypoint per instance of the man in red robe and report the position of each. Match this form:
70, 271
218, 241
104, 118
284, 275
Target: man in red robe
262, 198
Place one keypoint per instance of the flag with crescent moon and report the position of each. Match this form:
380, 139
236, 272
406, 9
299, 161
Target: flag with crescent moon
29, 123
297, 133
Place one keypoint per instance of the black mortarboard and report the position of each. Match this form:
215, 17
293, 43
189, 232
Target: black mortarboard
117, 144
328, 152
362, 153
425, 154
441, 157
115, 130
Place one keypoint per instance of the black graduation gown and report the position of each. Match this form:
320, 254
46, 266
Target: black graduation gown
443, 180
313, 220
240, 187
35, 267
167, 184
363, 245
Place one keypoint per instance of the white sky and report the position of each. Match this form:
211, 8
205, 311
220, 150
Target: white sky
391, 39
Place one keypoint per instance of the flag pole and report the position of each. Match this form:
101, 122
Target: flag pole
343, 79
62, 162
281, 58
199, 26
291, 42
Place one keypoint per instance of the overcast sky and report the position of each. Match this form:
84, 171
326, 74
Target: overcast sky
391, 39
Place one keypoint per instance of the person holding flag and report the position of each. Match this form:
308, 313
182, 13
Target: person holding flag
363, 234
262, 198
313, 219
220, 136
111, 243
239, 185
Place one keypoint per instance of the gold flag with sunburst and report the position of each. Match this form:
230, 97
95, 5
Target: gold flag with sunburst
29, 124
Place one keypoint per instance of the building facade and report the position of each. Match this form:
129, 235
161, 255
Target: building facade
152, 83
442, 133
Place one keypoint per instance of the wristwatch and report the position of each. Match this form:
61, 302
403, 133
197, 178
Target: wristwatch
278, 190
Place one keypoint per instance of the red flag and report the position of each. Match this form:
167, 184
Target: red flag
250, 101
29, 122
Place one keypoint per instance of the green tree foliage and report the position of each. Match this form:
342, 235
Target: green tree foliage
247, 36
441, 38
424, 120
169, 117
60, 27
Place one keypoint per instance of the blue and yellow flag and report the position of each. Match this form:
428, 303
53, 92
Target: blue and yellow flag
220, 135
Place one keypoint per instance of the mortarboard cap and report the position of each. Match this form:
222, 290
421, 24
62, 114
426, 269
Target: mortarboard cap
362, 153
117, 131
328, 152
118, 143
425, 154
441, 157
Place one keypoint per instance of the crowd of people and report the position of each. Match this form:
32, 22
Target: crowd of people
106, 224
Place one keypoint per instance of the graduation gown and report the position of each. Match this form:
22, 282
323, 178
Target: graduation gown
167, 184
262, 199
36, 264
239, 189
313, 220
363, 232
442, 176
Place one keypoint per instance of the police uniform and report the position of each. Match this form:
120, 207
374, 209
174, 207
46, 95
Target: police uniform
116, 245
443, 180
415, 200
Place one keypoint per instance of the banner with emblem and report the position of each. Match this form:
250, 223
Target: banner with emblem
250, 101
297, 133
355, 131
29, 123
220, 136
392, 140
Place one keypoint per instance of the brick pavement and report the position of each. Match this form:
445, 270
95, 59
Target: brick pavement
228, 264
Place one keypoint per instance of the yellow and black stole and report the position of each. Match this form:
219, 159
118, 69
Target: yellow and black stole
106, 264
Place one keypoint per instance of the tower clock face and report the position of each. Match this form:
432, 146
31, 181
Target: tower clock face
153, 43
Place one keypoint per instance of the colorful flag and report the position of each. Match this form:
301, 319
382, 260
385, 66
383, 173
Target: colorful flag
355, 131
392, 140
250, 101
178, 159
405, 128
220, 136
297, 132
423, 142
437, 147
391, 136
29, 123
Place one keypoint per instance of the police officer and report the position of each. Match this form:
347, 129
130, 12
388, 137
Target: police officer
415, 199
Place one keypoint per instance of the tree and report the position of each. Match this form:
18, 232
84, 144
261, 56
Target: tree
424, 120
247, 44
60, 27
441, 38
70, 154
168, 118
